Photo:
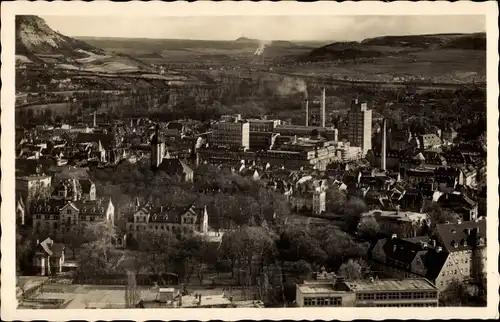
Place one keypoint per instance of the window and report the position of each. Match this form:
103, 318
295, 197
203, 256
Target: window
68, 211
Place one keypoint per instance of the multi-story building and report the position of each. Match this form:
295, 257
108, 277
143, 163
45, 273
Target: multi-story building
414, 292
360, 126
165, 219
403, 223
235, 135
55, 217
257, 125
329, 133
74, 189
31, 186
454, 252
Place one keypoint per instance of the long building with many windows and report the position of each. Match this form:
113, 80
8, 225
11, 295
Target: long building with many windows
415, 292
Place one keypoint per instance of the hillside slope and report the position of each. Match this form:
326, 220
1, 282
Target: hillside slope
35, 37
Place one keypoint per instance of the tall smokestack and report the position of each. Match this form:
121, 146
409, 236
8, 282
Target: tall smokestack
384, 145
306, 103
323, 107
95, 119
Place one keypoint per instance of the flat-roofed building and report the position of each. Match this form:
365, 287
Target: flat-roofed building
329, 133
412, 292
257, 125
230, 134
360, 126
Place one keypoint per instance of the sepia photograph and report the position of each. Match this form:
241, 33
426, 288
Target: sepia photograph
249, 160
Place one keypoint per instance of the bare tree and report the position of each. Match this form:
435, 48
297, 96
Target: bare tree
131, 293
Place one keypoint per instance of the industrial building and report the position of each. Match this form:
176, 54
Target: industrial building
230, 134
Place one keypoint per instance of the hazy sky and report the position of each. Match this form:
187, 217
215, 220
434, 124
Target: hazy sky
263, 27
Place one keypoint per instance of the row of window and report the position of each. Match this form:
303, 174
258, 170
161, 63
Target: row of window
408, 305
161, 227
396, 295
82, 218
323, 301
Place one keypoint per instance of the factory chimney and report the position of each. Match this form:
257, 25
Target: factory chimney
383, 153
306, 103
323, 107
95, 119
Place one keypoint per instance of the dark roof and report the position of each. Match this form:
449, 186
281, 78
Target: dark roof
86, 184
48, 206
460, 236
93, 207
174, 167
405, 251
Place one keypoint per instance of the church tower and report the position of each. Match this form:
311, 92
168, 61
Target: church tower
157, 149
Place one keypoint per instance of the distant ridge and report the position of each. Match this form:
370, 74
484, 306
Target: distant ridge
371, 47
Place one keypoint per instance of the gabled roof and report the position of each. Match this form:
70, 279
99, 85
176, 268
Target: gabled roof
174, 167
460, 236
107, 140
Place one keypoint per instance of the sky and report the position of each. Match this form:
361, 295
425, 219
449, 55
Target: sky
339, 28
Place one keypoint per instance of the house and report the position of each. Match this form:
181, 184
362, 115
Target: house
49, 257
164, 219
20, 212
36, 185
453, 252
176, 168
460, 204
403, 223
55, 217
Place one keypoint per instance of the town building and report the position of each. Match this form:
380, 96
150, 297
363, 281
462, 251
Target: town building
176, 168
453, 252
33, 185
235, 135
403, 223
49, 257
329, 133
165, 219
360, 126
409, 292
56, 217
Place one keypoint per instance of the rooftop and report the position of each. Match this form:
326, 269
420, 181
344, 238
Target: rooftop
391, 285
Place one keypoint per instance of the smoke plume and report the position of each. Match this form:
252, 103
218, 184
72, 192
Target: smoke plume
290, 86
262, 45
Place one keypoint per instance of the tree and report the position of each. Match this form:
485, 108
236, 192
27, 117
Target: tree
439, 215
353, 210
353, 269
368, 227
131, 293
74, 240
456, 294
336, 200
98, 253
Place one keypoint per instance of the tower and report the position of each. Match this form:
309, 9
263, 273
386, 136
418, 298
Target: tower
323, 107
157, 149
383, 153
306, 103
360, 126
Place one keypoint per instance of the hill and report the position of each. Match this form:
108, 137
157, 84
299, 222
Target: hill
37, 42
34, 37
394, 45
475, 41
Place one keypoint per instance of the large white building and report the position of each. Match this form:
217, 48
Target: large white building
230, 134
360, 126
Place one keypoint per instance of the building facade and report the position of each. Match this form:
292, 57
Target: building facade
413, 292
230, 134
360, 126
56, 217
